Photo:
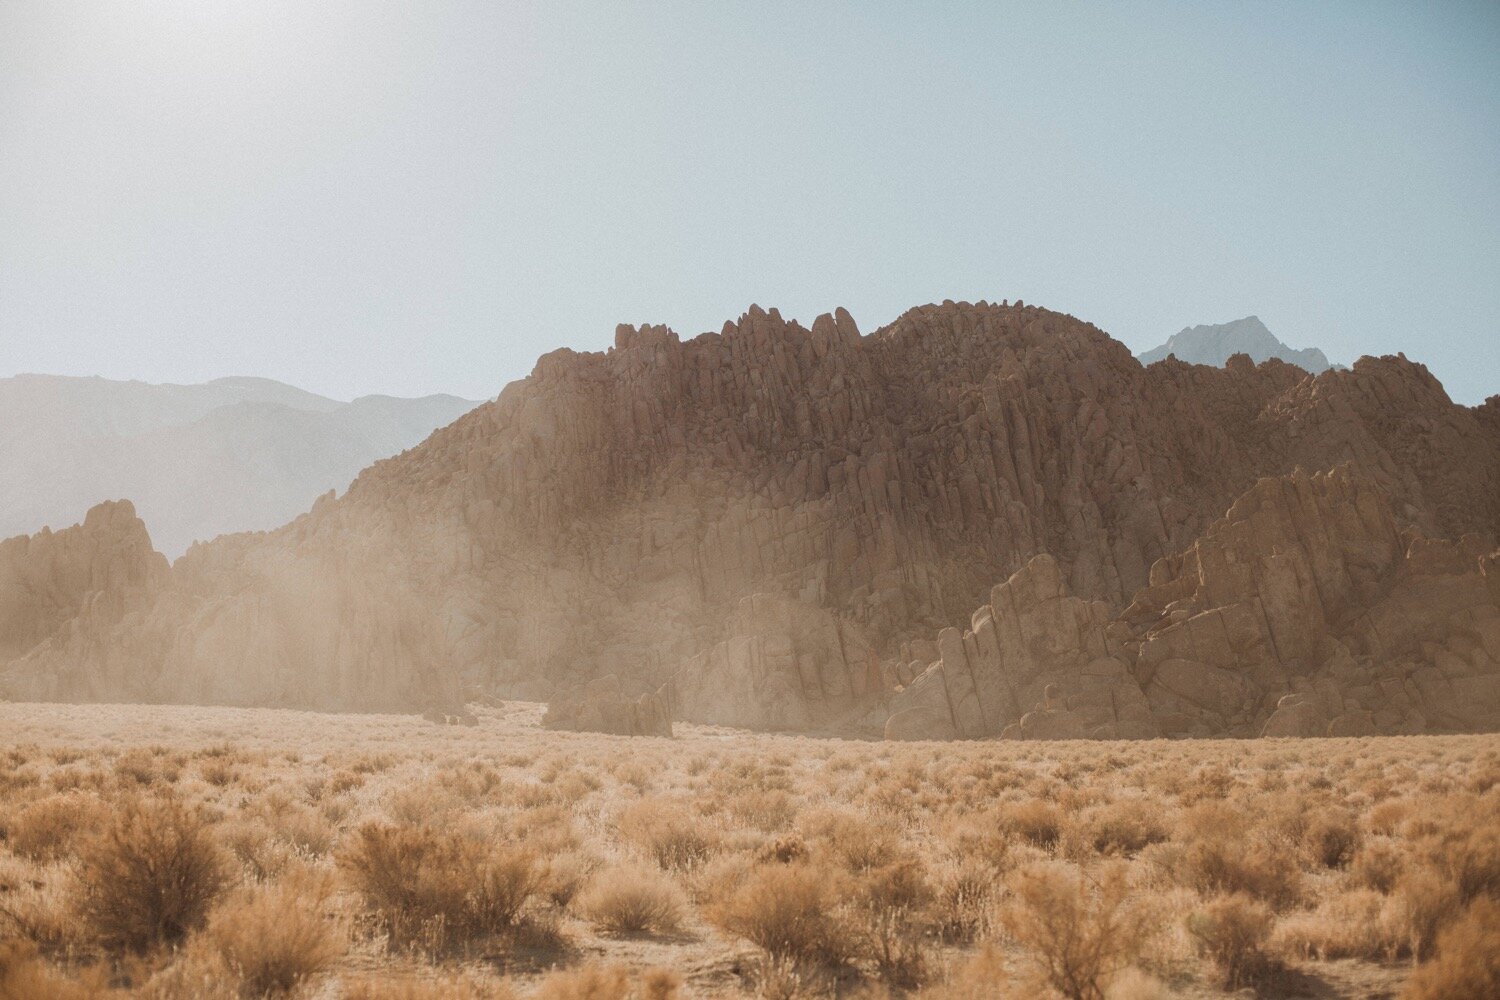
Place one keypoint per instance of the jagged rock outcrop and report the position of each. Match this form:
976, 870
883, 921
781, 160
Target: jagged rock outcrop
60, 588
1033, 639
615, 512
1215, 343
785, 665
602, 706
1303, 612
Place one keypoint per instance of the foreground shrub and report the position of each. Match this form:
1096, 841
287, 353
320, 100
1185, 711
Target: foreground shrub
1125, 827
1424, 903
276, 939
964, 901
1359, 923
853, 840
893, 907
668, 833
46, 829
789, 911
1036, 821
439, 887
1330, 837
1233, 932
632, 899
24, 976
455, 987
981, 976
1079, 931
1252, 866
150, 877
1467, 962
1379, 864
601, 982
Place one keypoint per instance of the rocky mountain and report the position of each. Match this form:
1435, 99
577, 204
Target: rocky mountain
234, 454
1215, 344
782, 525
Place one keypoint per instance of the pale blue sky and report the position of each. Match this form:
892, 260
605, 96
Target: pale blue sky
420, 197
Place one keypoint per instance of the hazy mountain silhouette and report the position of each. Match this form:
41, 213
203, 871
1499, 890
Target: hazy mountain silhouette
1214, 344
234, 454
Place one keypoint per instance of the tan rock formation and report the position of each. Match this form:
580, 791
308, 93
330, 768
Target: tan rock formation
61, 589
1037, 659
615, 512
785, 665
602, 706
1302, 612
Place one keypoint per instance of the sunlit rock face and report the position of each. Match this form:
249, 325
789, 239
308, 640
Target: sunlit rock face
782, 521
1302, 612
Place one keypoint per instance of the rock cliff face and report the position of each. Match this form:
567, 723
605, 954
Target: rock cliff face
772, 517
1037, 662
58, 589
1303, 612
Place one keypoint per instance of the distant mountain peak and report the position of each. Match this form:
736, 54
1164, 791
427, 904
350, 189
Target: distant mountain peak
1215, 343
202, 459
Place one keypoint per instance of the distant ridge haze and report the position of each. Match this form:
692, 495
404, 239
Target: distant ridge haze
1215, 343
198, 460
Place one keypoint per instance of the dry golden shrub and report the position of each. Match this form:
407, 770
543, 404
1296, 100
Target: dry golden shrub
1037, 821
1360, 923
769, 810
150, 877
437, 887
262, 854
783, 850
1379, 864
139, 766
853, 840
790, 912
609, 982
25, 976
1234, 932
1329, 837
893, 907
669, 833
275, 939
964, 894
1470, 855
195, 973
566, 874
1124, 827
981, 976
1079, 929
1422, 905
218, 771
46, 829
1467, 962
414, 987
1227, 864
1386, 817
631, 899
1136, 984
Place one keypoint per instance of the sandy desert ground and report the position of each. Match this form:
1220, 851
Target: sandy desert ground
215, 852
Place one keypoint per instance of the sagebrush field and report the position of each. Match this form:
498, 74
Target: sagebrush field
198, 852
